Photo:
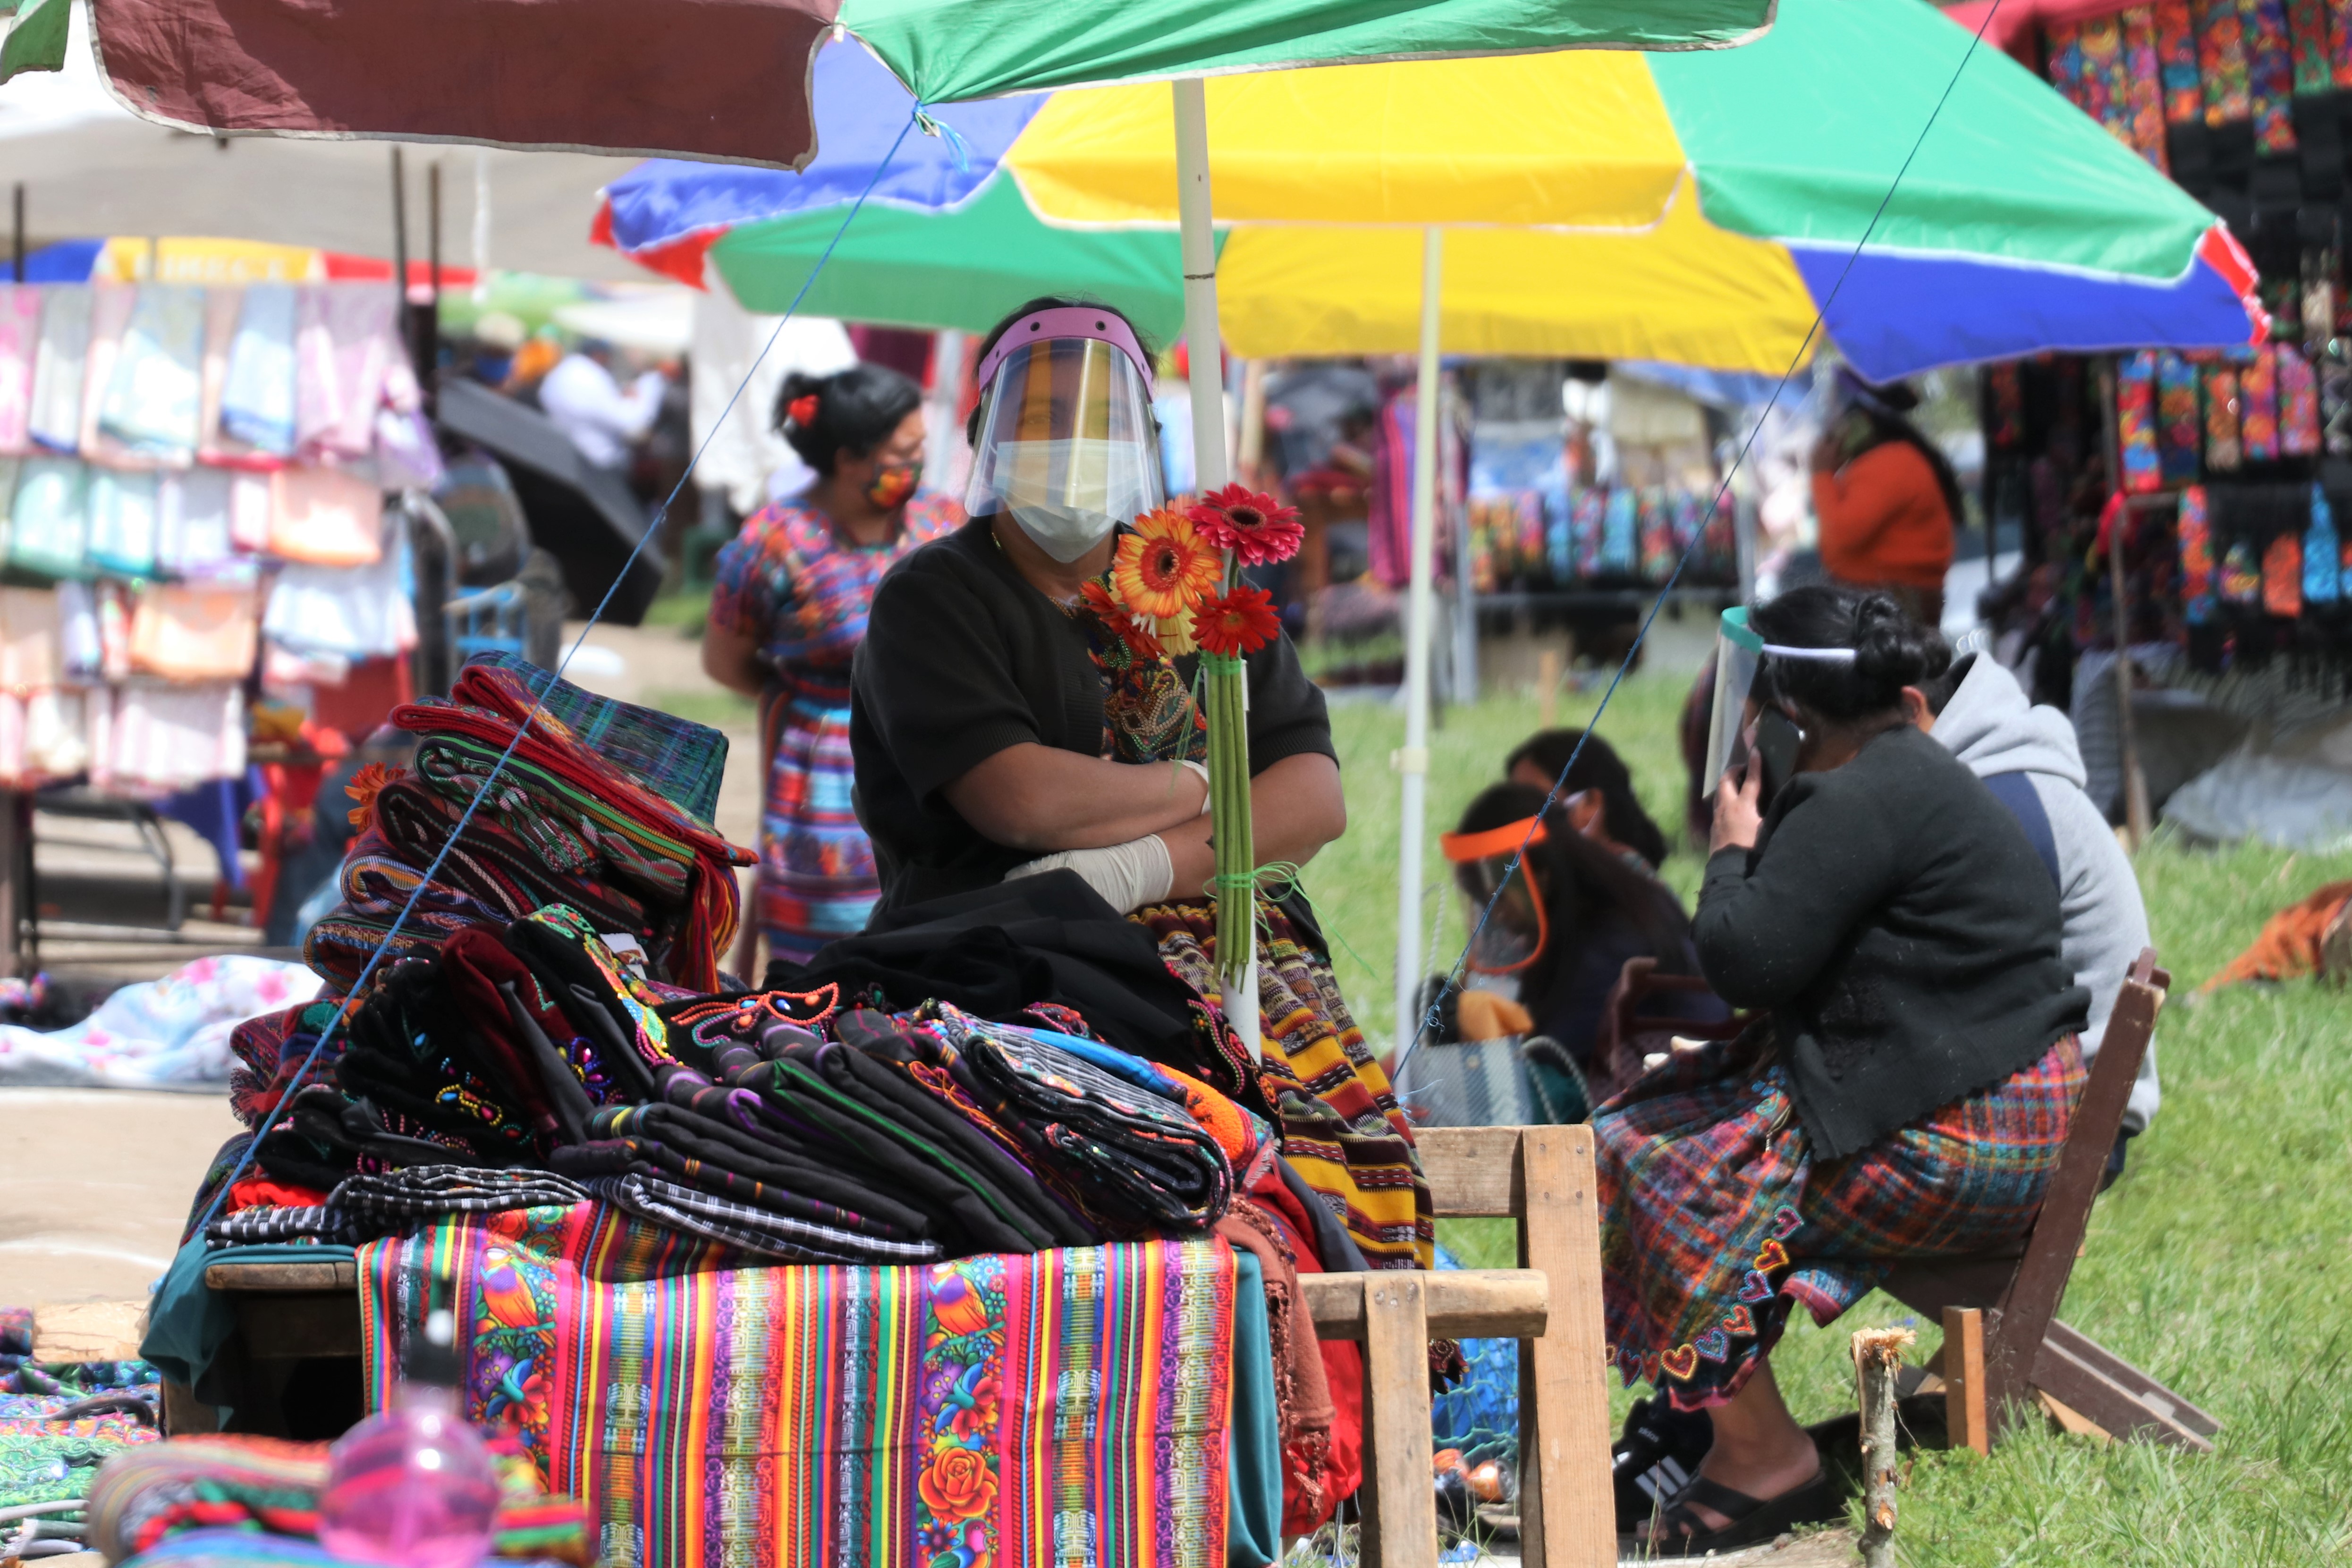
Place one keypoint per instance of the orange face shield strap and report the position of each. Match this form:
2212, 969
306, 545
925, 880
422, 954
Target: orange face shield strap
1492, 843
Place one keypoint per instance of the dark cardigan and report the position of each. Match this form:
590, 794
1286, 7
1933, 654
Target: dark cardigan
1899, 924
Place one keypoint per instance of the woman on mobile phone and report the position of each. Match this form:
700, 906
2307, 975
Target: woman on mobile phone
1905, 1090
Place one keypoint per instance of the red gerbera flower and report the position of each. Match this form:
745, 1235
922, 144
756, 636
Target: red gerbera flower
1240, 622
1113, 614
1252, 525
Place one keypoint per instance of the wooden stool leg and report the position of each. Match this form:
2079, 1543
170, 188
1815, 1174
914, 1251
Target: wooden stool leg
1963, 1358
1400, 1513
1568, 1514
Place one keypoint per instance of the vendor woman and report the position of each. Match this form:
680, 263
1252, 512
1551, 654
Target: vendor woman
1000, 726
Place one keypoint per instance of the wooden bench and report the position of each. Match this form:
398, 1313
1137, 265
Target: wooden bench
1539, 1177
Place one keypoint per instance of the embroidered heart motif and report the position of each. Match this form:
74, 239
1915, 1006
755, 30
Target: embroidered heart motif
1771, 1256
1785, 1223
1714, 1344
1681, 1361
1650, 1368
1739, 1320
1755, 1288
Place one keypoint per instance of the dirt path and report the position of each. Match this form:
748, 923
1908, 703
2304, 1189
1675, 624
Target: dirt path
94, 1185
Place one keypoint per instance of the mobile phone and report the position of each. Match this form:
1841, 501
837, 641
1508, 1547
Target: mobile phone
1777, 742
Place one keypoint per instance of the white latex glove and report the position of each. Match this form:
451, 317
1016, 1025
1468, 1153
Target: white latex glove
1128, 875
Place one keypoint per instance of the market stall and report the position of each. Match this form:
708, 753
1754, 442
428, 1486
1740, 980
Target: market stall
205, 574
2184, 506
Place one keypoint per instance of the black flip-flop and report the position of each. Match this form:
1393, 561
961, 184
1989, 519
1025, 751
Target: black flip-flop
1679, 1534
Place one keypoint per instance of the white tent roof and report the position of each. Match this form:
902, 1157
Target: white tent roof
90, 168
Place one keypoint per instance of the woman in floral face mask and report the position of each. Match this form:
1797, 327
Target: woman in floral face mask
786, 618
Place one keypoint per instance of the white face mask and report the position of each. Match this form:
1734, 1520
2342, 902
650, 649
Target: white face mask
1065, 533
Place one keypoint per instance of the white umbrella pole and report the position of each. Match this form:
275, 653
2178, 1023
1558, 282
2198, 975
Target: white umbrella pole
1413, 761
1207, 382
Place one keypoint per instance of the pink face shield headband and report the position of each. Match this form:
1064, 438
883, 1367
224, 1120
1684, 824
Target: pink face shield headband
1066, 321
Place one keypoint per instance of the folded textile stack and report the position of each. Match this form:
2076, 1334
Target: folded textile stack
607, 827
527, 1061
258, 1487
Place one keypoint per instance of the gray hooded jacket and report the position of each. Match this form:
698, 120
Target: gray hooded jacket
1990, 725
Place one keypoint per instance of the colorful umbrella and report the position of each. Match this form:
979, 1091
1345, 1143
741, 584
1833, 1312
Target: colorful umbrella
945, 238
1693, 207
724, 79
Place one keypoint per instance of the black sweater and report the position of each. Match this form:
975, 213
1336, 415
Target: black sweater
1899, 924
962, 658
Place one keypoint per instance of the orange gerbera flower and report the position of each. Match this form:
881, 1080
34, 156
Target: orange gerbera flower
1256, 527
1113, 614
363, 787
1240, 622
1164, 566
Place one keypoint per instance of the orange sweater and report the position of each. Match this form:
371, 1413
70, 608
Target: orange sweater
1884, 520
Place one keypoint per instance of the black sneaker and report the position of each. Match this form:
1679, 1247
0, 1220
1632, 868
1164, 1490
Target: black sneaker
1655, 1457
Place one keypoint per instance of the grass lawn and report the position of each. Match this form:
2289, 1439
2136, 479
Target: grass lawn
2221, 1262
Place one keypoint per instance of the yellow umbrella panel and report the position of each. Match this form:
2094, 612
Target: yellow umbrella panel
1680, 290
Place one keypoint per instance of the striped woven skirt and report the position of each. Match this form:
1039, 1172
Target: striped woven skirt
1715, 1218
817, 880
1342, 1130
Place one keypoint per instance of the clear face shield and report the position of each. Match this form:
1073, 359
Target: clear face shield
1737, 653
1067, 443
1514, 936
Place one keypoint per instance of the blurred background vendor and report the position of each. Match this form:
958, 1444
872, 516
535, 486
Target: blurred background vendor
1009, 718
1585, 899
787, 614
1886, 499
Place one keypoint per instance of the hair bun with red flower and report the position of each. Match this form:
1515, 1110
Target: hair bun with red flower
802, 410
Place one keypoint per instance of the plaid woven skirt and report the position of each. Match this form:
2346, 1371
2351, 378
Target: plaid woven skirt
1715, 1218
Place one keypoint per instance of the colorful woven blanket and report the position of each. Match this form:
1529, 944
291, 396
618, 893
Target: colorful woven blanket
268, 1484
1000, 1409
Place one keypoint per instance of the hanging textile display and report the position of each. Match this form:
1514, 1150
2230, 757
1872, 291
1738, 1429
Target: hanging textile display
152, 447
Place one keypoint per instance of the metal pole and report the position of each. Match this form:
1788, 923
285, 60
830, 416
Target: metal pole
481, 225
400, 251
1466, 600
1413, 761
428, 320
18, 249
1197, 234
940, 436
2137, 823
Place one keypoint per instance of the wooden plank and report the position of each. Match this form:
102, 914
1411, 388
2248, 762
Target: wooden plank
2122, 1373
183, 1414
1964, 1386
1400, 1518
1564, 1404
289, 1278
1470, 1303
89, 1330
293, 1328
2015, 1342
2099, 1398
2073, 1422
1474, 1172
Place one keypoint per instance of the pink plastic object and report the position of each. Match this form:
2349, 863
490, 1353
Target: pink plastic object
412, 1486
